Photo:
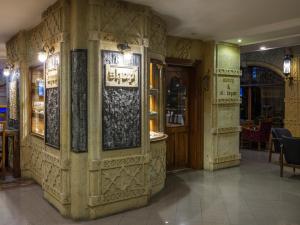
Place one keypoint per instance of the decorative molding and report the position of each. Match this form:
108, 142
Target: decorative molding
157, 163
123, 161
157, 35
52, 180
227, 101
121, 22
223, 159
226, 130
228, 72
36, 159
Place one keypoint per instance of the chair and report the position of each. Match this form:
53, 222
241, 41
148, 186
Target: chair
277, 134
290, 153
259, 135
2, 151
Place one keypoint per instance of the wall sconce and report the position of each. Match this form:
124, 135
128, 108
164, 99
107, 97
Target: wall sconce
126, 50
43, 54
287, 64
7, 70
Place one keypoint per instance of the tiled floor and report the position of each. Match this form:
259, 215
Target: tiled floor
252, 194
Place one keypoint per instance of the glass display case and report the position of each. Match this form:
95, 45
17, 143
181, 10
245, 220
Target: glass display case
155, 100
38, 101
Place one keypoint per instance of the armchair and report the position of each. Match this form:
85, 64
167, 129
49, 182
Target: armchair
277, 134
290, 153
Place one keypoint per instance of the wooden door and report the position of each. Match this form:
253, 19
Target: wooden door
177, 116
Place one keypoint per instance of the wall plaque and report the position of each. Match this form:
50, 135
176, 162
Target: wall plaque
52, 71
228, 87
121, 76
121, 101
52, 102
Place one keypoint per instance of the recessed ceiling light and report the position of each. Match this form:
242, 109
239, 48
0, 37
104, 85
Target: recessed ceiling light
239, 40
263, 48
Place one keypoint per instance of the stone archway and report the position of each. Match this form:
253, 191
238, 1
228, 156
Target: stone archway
269, 102
266, 65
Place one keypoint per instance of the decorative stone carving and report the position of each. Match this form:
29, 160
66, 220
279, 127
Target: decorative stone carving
183, 48
123, 178
157, 35
157, 163
228, 72
52, 182
36, 159
120, 22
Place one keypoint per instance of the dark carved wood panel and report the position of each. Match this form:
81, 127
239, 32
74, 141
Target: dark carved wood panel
79, 99
52, 107
121, 108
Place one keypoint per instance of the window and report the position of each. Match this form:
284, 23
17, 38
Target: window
37, 101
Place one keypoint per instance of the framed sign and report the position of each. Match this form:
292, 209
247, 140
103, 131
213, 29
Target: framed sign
52, 71
121, 76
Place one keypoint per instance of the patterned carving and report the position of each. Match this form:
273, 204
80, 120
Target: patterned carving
121, 108
123, 178
14, 48
52, 182
225, 130
228, 158
36, 158
79, 99
157, 163
228, 101
120, 22
47, 32
157, 35
228, 72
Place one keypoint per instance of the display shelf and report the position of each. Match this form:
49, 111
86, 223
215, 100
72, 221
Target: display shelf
37, 101
155, 100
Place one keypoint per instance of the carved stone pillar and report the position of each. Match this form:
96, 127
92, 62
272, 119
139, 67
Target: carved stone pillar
221, 106
79, 44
